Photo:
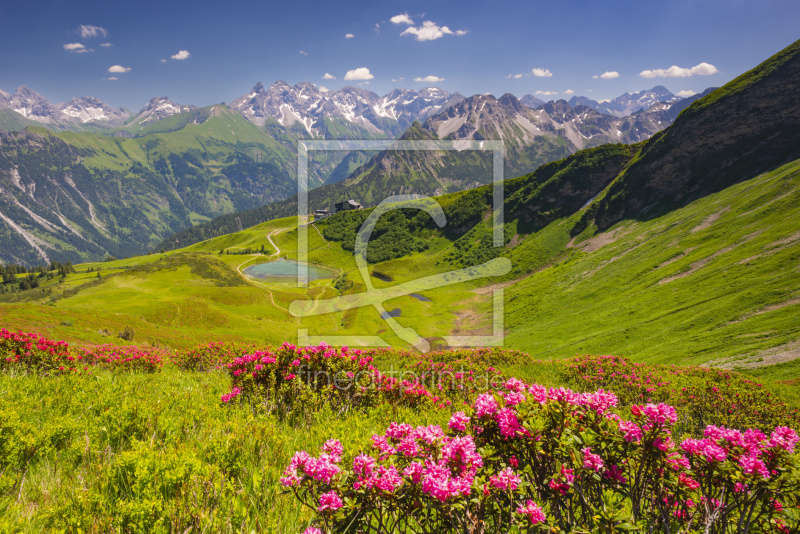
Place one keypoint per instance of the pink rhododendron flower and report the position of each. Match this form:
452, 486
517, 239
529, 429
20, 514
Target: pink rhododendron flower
630, 431
533, 511
506, 479
591, 461
513, 398
329, 501
784, 438
408, 447
508, 423
753, 466
334, 448
458, 422
539, 393
414, 472
485, 405
385, 479
688, 481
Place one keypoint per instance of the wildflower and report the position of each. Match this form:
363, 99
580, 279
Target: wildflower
505, 480
458, 422
688, 481
486, 404
630, 431
334, 448
508, 422
385, 479
363, 464
783, 438
329, 501
753, 466
533, 511
590, 460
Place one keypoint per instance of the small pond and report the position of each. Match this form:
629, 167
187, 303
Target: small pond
391, 313
285, 269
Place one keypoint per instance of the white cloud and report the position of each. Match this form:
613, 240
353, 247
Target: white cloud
328, 76
377, 29
702, 69
86, 31
76, 48
107, 45
459, 33
182, 54
430, 31
163, 61
607, 75
362, 83
303, 52
403, 18
398, 79
348, 36
517, 76
361, 73
685, 93
429, 79
604, 101
546, 93
541, 73
323, 89
569, 92
118, 68
112, 78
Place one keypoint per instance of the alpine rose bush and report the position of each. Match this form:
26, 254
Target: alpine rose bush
290, 379
531, 458
701, 395
33, 353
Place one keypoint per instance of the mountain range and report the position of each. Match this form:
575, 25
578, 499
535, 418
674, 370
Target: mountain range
304, 106
113, 182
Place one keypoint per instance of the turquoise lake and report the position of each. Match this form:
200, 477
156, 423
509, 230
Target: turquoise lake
286, 269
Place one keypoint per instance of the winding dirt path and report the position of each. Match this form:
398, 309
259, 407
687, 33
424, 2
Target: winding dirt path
271, 242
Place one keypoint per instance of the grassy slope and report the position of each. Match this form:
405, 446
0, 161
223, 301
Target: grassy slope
713, 281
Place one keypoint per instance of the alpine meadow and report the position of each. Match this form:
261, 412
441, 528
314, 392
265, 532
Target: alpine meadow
345, 306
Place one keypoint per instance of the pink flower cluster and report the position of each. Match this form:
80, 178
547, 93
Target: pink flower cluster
533, 511
321, 469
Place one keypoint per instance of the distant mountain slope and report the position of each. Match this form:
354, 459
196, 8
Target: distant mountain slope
81, 113
750, 125
80, 195
629, 103
348, 113
157, 109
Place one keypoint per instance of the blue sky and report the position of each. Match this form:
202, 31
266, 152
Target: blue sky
473, 46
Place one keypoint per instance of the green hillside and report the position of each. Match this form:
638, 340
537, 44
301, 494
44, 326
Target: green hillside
99, 194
